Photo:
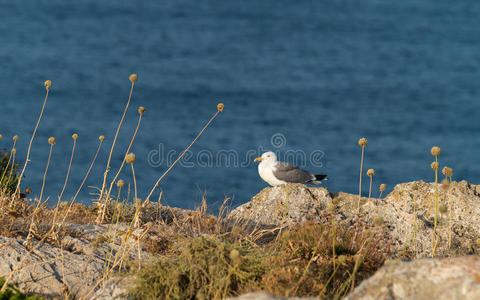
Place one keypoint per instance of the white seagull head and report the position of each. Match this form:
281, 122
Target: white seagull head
267, 158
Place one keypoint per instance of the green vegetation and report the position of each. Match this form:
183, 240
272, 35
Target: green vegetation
8, 174
12, 293
203, 268
299, 262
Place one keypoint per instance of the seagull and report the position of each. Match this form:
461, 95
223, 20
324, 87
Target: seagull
277, 173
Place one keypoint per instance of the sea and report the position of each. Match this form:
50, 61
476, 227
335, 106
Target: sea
305, 79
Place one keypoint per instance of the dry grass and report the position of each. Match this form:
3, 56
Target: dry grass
199, 262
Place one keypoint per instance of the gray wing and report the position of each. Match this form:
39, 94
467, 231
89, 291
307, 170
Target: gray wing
291, 173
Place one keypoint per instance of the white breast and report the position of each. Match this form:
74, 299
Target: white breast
266, 172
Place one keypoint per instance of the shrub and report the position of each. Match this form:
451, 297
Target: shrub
304, 264
300, 262
205, 268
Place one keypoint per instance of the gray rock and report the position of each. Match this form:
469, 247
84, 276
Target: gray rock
73, 270
414, 228
284, 205
409, 222
47, 272
115, 289
449, 278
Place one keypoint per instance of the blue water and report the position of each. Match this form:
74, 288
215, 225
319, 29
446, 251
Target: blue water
316, 75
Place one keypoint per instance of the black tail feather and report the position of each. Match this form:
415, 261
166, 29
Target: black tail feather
320, 177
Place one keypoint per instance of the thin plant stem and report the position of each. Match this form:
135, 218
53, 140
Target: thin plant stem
30, 229
414, 224
334, 228
138, 206
134, 181
88, 171
65, 184
324, 289
380, 197
450, 207
434, 233
110, 253
102, 218
68, 170
370, 190
107, 169
84, 179
45, 173
360, 182
17, 191
181, 155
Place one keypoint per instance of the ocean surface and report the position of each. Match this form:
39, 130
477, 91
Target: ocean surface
306, 79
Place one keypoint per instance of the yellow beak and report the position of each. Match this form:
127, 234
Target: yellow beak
258, 159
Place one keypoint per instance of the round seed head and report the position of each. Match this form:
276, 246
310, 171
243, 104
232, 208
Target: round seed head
383, 187
120, 183
434, 165
28, 190
378, 221
141, 110
370, 172
130, 158
442, 208
1, 136
101, 138
15, 138
14, 151
220, 106
75, 136
435, 151
363, 142
447, 171
48, 84
133, 77
51, 140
